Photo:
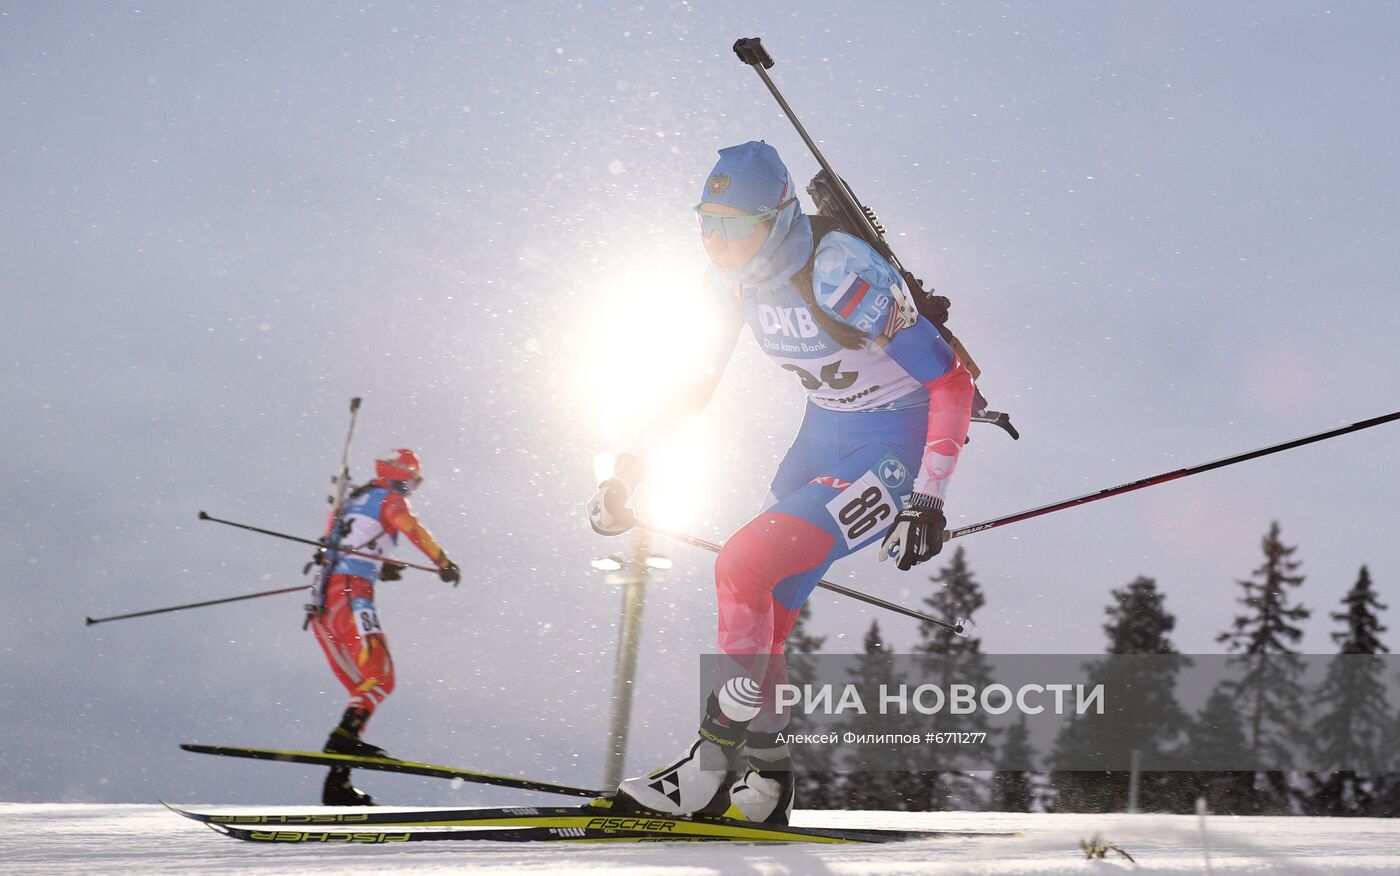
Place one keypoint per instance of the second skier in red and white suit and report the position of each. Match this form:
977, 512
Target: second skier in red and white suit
347, 627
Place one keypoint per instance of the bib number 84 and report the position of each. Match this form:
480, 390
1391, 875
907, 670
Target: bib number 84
366, 618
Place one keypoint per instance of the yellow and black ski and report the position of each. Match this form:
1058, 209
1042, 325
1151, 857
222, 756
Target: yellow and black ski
392, 765
529, 824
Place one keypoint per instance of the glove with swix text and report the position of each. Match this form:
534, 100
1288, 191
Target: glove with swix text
449, 572
916, 534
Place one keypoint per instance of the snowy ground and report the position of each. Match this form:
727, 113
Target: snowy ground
71, 838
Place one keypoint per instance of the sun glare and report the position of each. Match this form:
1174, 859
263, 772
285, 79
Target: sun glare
658, 335
678, 480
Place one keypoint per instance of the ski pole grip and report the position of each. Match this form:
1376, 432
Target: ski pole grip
751, 51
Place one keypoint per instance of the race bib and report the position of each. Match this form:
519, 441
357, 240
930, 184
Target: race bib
366, 618
862, 508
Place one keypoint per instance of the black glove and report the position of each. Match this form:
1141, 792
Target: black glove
391, 572
916, 534
449, 572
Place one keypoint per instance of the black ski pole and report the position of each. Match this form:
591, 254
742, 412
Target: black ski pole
1168, 476
344, 551
103, 620
957, 626
204, 515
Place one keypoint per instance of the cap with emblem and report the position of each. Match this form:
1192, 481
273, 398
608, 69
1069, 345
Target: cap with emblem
750, 177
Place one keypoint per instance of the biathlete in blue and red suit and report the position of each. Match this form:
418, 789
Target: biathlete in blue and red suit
347, 624
888, 406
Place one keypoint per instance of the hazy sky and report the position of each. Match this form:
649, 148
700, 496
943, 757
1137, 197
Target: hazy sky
1169, 231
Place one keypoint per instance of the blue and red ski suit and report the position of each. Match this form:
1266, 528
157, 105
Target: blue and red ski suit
884, 419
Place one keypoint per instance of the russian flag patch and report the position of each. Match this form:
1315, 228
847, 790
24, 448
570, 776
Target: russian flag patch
848, 296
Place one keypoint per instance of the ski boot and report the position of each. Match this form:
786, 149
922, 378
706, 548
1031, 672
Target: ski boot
345, 738
698, 781
339, 792
765, 793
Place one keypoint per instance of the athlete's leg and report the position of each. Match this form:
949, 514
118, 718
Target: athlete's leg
355, 645
776, 563
769, 567
824, 509
358, 653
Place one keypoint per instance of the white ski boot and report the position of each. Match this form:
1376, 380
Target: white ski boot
765, 793
697, 782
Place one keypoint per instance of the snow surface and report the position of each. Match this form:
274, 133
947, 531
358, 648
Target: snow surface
129, 838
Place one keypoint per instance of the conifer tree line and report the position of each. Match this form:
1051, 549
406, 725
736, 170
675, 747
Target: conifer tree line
1246, 714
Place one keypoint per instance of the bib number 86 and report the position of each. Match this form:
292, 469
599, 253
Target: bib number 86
860, 515
860, 509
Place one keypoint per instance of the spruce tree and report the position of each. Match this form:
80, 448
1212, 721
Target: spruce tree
1356, 718
1361, 629
1145, 717
1138, 621
1217, 736
1268, 624
957, 595
1266, 635
1015, 790
888, 787
1386, 790
817, 781
951, 657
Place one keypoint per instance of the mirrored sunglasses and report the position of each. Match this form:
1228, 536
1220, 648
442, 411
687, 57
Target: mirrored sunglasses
735, 228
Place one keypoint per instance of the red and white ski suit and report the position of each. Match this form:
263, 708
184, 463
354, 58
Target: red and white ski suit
348, 630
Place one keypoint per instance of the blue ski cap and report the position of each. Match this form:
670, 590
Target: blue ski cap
750, 177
